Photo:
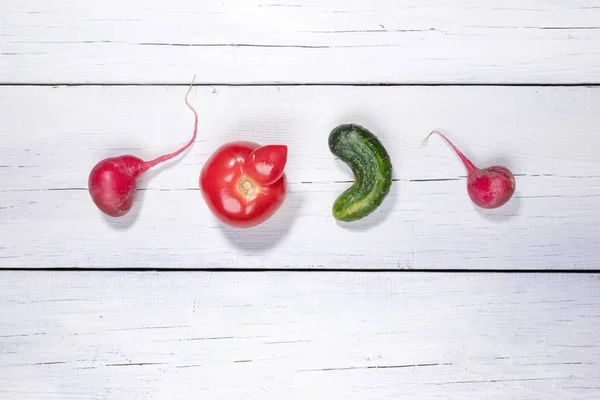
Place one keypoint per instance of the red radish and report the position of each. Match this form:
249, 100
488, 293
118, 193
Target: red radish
489, 187
112, 182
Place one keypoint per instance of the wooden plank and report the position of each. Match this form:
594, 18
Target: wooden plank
250, 41
51, 138
70, 335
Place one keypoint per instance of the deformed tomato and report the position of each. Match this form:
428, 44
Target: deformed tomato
243, 183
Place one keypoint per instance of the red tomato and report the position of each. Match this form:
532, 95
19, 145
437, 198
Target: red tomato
243, 183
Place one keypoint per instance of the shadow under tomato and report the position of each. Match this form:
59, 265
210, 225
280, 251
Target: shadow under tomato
265, 236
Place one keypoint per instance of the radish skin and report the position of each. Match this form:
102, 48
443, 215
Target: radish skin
112, 182
489, 187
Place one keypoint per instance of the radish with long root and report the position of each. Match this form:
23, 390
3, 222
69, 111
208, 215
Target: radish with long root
490, 187
112, 182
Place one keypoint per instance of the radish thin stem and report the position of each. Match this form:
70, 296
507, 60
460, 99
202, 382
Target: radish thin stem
166, 157
468, 164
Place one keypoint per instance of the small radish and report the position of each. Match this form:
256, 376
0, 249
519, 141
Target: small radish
112, 182
489, 187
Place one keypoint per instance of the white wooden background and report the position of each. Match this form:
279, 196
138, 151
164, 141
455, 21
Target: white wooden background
510, 82
115, 335
248, 41
545, 135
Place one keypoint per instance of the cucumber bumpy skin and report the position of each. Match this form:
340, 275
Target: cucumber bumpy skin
370, 162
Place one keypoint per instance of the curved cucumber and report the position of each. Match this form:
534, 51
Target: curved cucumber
365, 155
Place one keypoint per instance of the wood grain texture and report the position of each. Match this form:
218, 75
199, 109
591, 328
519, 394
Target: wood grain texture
51, 138
285, 336
249, 41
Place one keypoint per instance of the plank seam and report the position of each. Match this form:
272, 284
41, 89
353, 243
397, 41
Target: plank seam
300, 84
310, 270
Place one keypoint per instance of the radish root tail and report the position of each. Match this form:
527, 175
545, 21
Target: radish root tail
426, 140
166, 157
410, 147
468, 164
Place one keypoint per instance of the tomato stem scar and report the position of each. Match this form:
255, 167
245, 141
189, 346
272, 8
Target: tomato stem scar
246, 186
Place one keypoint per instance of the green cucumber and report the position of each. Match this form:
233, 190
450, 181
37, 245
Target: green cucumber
370, 163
